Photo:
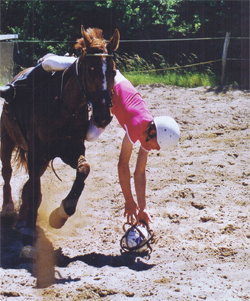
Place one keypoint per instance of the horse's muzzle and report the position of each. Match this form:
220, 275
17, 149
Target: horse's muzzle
101, 122
101, 107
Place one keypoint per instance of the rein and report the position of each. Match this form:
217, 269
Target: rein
81, 86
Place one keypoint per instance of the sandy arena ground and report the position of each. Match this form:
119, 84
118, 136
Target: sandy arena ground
198, 196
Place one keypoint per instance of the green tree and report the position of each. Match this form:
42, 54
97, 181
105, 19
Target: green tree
55, 26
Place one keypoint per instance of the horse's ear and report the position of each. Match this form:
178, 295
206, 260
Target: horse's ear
86, 38
114, 42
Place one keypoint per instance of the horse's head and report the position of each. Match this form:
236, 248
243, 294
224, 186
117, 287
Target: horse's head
96, 71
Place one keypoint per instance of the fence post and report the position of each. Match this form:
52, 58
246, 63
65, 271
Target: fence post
224, 57
245, 45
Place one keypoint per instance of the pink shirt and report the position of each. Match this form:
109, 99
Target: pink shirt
131, 111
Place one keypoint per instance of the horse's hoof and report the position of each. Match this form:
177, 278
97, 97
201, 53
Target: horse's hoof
28, 252
8, 209
20, 226
55, 219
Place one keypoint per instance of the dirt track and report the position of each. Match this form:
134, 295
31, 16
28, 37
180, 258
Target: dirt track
198, 196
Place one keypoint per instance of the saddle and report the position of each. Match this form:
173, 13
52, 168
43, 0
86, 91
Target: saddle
18, 99
18, 86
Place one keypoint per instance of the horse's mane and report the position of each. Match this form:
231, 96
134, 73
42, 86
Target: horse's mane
97, 41
94, 33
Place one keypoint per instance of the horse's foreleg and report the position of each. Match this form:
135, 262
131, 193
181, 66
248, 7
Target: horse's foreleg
23, 212
68, 206
29, 233
70, 202
7, 146
31, 198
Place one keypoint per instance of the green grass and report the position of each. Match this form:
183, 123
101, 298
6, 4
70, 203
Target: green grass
187, 80
139, 71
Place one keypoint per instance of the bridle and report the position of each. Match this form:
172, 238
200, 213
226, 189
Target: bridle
105, 94
86, 95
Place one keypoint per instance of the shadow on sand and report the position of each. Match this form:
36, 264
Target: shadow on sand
42, 265
226, 88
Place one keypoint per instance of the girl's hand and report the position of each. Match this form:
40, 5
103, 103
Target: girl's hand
131, 212
143, 216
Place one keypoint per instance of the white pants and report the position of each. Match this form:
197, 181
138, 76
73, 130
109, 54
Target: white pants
52, 62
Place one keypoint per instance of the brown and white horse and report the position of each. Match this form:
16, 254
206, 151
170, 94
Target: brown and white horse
52, 122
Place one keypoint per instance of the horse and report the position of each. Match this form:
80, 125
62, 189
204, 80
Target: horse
52, 122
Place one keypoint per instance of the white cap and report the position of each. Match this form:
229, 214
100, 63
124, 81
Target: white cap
167, 132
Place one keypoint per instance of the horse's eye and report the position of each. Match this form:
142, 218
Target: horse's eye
91, 70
